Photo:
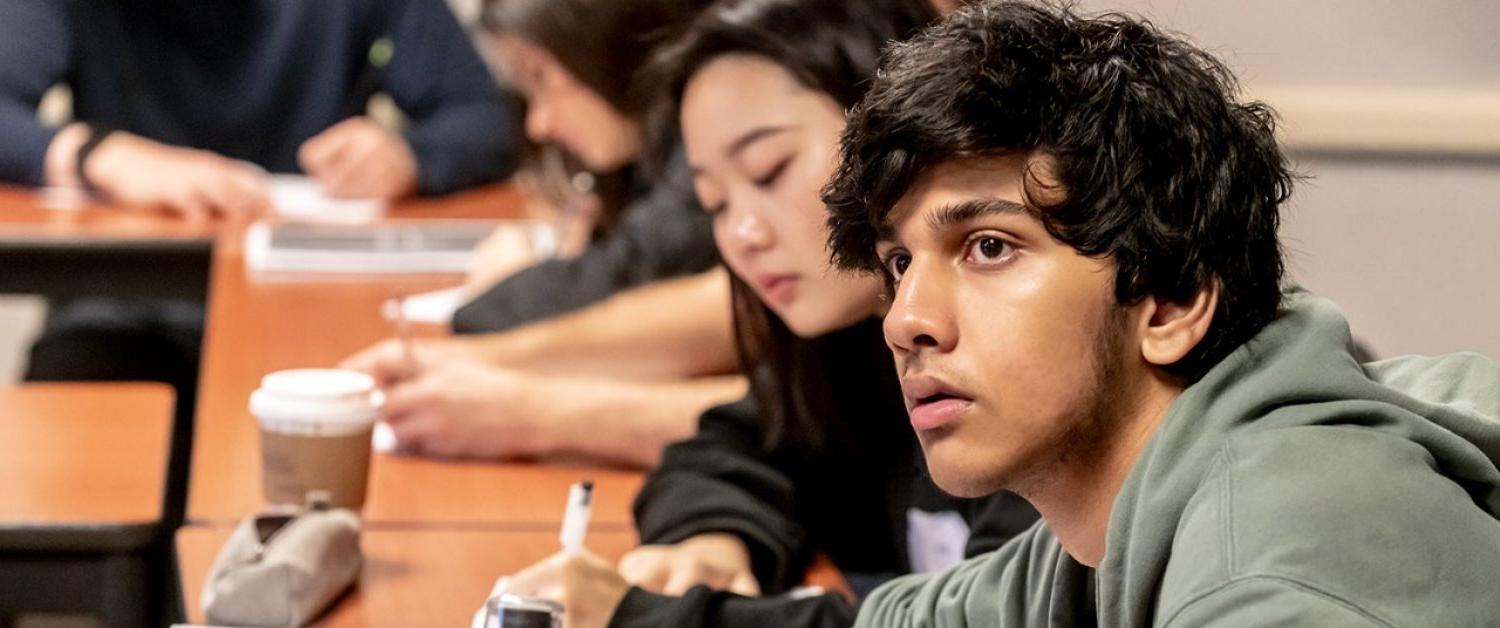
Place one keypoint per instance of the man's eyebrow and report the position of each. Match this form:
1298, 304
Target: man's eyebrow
962, 212
885, 231
955, 214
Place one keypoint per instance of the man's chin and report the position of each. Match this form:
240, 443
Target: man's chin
958, 474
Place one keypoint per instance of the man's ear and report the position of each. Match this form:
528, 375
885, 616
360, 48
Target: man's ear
1173, 328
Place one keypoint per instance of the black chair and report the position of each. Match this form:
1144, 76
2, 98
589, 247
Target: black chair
124, 575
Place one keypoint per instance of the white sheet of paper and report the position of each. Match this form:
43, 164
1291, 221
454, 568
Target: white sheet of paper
299, 198
436, 307
383, 438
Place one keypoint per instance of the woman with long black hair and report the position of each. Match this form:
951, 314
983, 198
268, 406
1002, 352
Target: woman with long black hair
820, 458
556, 377
575, 63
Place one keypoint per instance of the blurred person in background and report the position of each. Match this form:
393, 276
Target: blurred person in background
183, 106
569, 367
549, 373
820, 457
575, 63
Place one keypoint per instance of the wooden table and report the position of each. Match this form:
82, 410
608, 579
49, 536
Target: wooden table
83, 454
96, 251
84, 467
437, 533
413, 577
25, 217
256, 326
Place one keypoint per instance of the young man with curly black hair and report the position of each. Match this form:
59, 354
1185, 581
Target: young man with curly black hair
1078, 222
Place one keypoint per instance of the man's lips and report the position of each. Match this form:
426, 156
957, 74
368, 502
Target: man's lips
932, 402
777, 288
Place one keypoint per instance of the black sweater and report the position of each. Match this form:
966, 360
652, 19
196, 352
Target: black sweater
252, 79
661, 233
847, 498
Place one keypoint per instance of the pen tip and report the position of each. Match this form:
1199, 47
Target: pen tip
586, 492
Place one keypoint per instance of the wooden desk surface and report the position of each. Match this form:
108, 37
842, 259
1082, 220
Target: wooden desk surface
257, 326
23, 214
91, 453
411, 578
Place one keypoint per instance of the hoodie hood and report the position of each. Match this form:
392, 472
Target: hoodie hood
1298, 372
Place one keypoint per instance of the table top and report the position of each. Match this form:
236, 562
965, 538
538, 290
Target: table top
412, 577
83, 454
437, 533
257, 325
24, 214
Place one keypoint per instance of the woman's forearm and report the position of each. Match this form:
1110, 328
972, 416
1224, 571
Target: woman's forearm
629, 423
668, 330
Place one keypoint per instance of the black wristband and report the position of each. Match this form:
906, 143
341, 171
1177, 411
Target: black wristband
97, 135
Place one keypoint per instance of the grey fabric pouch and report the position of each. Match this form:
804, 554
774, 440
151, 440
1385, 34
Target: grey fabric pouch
283, 569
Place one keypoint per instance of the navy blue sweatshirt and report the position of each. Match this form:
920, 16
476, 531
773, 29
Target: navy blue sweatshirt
251, 79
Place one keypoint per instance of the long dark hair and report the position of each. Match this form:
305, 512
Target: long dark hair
604, 43
832, 46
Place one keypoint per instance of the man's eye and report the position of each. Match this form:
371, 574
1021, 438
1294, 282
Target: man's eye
989, 249
896, 264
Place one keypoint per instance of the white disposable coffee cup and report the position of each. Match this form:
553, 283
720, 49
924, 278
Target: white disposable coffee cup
315, 427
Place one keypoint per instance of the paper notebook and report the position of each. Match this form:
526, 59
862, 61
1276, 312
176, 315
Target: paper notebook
425, 246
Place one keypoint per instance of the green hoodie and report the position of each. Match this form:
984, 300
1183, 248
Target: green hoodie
1290, 486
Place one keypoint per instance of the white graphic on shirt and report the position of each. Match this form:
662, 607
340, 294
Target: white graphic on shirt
935, 540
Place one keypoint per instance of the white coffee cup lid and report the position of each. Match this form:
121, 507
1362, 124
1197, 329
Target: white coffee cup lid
328, 397
319, 383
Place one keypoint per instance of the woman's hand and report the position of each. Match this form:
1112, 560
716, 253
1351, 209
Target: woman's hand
506, 251
587, 587
468, 410
388, 362
716, 560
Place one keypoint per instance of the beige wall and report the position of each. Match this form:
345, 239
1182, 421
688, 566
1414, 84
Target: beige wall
1407, 249
1356, 43
1393, 111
